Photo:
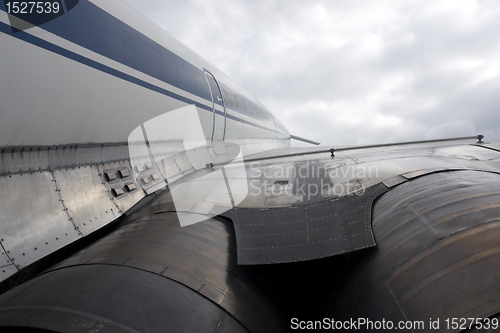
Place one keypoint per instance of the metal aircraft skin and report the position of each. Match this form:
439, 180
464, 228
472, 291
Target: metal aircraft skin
141, 190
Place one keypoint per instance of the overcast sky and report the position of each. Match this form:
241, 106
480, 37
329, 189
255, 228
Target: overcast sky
353, 72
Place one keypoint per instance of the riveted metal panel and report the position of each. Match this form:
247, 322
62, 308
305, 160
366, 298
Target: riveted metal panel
27, 159
43, 158
4, 259
34, 222
112, 152
6, 271
88, 202
61, 156
132, 193
306, 231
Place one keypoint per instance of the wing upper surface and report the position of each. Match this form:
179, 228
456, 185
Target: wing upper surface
314, 206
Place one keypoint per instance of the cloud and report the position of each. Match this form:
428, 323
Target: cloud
353, 72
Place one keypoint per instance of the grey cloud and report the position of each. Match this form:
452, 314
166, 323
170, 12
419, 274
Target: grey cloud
348, 72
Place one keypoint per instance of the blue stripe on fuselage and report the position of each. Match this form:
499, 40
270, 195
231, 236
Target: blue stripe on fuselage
94, 64
85, 26
91, 27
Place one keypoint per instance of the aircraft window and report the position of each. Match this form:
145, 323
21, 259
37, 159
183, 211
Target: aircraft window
237, 105
244, 105
225, 96
251, 109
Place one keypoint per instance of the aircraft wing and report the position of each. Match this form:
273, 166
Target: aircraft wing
429, 213
312, 206
142, 190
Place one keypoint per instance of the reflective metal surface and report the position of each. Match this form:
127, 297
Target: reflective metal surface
284, 153
4, 260
87, 201
7, 271
132, 193
52, 196
111, 298
37, 224
306, 231
84, 196
200, 256
274, 224
341, 175
437, 252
